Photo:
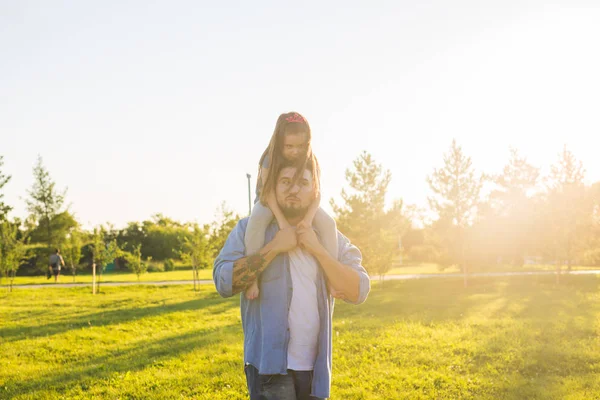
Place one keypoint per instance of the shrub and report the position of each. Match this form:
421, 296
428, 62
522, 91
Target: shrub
169, 265
154, 266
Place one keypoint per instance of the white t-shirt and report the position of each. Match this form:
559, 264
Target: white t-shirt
303, 318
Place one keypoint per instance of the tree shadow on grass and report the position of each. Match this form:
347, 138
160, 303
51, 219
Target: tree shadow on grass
553, 339
135, 358
115, 316
522, 332
425, 301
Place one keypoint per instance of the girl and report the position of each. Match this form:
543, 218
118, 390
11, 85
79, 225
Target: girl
289, 145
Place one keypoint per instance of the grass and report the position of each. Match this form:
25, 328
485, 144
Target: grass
178, 275
501, 338
434, 269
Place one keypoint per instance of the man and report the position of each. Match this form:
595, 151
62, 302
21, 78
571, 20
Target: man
287, 330
55, 263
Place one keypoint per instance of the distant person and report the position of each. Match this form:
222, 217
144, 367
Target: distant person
290, 145
55, 264
287, 329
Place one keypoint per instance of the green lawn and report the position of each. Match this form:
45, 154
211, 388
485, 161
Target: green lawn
207, 274
114, 277
434, 269
508, 338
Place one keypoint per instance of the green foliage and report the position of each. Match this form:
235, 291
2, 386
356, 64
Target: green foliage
197, 249
456, 196
364, 219
161, 238
13, 250
71, 250
511, 203
103, 252
44, 204
456, 188
135, 262
566, 216
169, 265
225, 221
60, 226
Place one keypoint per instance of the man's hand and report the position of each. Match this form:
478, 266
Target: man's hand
307, 239
285, 240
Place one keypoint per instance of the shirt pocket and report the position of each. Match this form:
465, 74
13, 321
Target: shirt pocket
272, 273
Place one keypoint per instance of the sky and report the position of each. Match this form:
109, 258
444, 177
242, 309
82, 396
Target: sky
140, 107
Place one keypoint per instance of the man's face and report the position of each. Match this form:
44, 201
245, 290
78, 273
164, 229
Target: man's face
294, 199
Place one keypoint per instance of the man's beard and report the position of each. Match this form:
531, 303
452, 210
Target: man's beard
293, 212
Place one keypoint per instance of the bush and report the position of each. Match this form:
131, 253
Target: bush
169, 265
154, 266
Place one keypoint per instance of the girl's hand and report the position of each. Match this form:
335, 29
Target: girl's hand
307, 239
304, 224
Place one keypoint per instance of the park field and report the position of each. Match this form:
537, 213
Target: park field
500, 338
206, 274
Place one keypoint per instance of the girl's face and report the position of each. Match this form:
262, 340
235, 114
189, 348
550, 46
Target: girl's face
294, 146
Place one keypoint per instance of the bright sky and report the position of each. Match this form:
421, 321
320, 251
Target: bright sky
145, 107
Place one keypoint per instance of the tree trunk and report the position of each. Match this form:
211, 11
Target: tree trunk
464, 265
195, 276
11, 280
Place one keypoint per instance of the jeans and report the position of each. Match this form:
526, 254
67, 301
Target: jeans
293, 386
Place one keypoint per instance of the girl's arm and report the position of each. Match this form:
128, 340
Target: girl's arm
272, 201
311, 212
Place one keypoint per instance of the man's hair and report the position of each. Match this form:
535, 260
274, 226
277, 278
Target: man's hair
56, 250
311, 165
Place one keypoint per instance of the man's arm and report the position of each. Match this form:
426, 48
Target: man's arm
247, 269
233, 272
348, 280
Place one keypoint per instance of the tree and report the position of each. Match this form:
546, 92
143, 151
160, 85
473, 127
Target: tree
135, 262
456, 188
591, 247
13, 250
225, 221
161, 238
44, 204
569, 210
4, 209
102, 252
71, 250
511, 207
363, 217
197, 250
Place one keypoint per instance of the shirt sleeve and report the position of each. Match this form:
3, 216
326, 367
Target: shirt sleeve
350, 256
232, 251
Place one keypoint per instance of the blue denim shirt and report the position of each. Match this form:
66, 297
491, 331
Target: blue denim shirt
265, 320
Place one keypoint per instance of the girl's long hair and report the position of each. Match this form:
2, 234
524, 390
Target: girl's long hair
289, 123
